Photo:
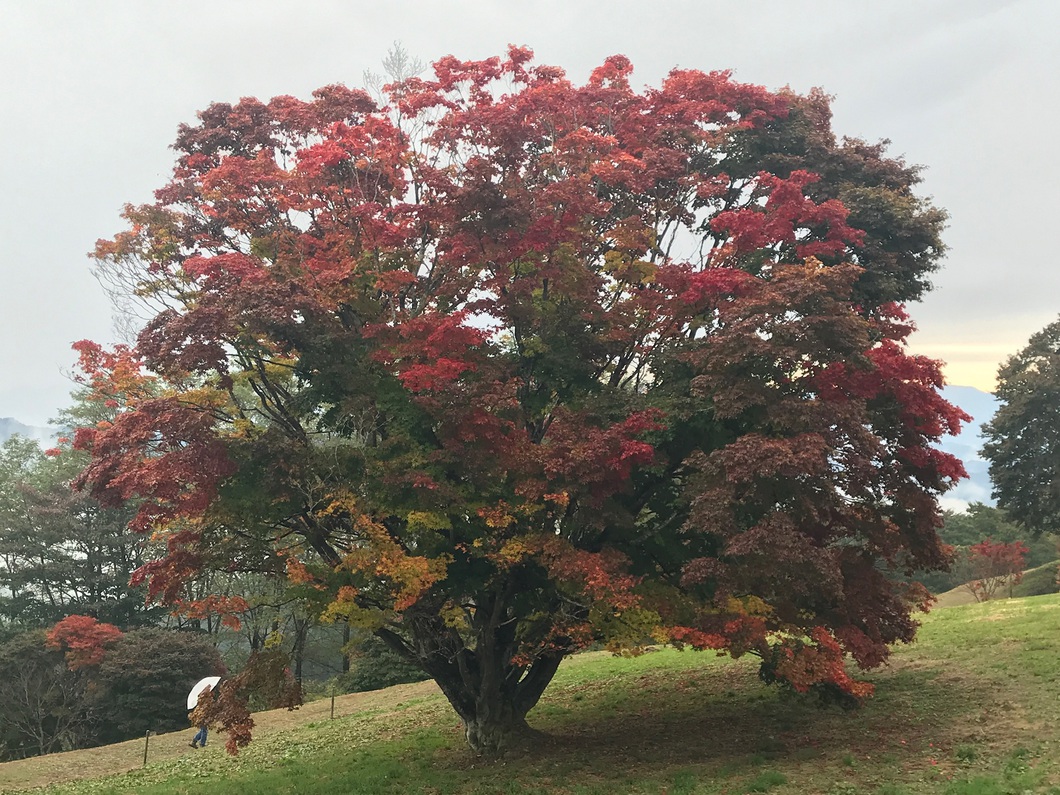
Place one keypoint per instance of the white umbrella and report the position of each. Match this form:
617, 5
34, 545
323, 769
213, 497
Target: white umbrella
202, 684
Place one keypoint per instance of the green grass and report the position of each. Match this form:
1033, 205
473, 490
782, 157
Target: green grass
971, 708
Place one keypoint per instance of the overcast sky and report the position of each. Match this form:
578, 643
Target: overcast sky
93, 93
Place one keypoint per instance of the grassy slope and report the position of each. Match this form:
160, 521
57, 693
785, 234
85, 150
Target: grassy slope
967, 710
1036, 582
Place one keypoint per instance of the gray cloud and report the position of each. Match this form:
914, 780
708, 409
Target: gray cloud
93, 93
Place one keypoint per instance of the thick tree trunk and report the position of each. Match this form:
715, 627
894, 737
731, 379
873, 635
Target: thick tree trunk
498, 730
490, 691
493, 705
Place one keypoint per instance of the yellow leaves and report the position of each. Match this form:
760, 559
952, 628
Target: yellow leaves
203, 397
497, 517
264, 247
756, 606
243, 428
407, 576
344, 502
660, 634
626, 631
364, 618
279, 370
747, 606
345, 608
503, 515
426, 521
514, 550
453, 616
627, 269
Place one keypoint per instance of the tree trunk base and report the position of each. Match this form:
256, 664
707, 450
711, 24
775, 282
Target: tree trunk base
495, 740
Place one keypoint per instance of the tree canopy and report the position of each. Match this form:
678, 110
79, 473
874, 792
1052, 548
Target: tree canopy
509, 365
1023, 438
61, 553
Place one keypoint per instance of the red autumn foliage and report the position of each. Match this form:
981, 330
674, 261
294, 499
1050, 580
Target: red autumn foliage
84, 639
995, 565
511, 365
226, 707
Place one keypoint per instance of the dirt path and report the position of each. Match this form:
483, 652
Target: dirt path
111, 760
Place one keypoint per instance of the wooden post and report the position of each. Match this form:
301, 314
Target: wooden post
333, 706
147, 741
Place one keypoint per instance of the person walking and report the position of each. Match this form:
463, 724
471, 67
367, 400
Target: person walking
199, 740
204, 687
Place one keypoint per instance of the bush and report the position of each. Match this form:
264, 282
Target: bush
373, 665
979, 522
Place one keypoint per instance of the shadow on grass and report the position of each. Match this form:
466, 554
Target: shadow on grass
723, 722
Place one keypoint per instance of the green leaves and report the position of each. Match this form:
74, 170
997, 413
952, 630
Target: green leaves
1024, 435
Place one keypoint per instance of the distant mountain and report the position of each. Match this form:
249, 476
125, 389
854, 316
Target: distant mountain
968, 445
10, 427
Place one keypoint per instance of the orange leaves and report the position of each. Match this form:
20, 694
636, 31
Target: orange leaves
405, 576
805, 665
615, 70
298, 574
115, 377
599, 576
561, 500
497, 517
84, 638
697, 639
227, 608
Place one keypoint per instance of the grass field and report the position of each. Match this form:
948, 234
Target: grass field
970, 709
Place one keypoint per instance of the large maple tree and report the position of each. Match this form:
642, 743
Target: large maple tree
505, 366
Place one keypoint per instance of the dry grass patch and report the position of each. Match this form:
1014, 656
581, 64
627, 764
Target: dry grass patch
120, 758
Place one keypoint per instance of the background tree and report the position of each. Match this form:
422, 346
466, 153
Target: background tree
978, 523
61, 552
499, 375
46, 706
375, 665
994, 565
1023, 438
86, 683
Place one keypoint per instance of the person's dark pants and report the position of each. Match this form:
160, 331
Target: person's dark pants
199, 738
